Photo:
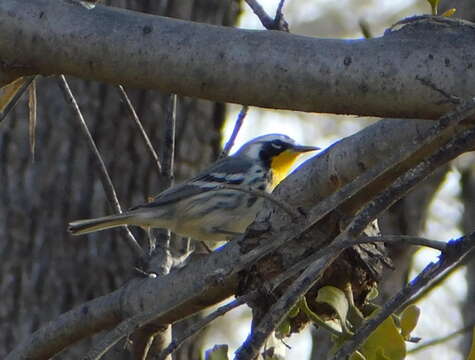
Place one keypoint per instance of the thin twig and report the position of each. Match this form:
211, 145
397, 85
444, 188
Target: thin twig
124, 329
161, 260
455, 252
345, 244
237, 126
365, 29
278, 23
281, 204
278, 12
18, 92
442, 339
257, 8
413, 240
168, 159
103, 174
32, 112
166, 178
200, 325
134, 116
433, 285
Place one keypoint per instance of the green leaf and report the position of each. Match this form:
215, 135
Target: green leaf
385, 342
294, 311
327, 325
449, 12
218, 352
372, 294
337, 300
283, 330
409, 318
380, 355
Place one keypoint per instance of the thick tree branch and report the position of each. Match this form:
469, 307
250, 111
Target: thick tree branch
213, 278
380, 77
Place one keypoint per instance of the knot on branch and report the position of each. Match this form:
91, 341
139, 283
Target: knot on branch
436, 25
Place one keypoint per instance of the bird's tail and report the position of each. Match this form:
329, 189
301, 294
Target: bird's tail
80, 227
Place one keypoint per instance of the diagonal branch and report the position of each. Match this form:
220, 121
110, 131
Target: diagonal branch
15, 90
237, 126
134, 116
455, 252
199, 325
211, 279
103, 174
382, 201
278, 23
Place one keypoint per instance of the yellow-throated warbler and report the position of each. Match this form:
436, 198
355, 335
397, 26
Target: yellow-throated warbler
200, 209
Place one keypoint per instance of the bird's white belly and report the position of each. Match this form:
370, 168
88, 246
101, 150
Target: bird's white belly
218, 224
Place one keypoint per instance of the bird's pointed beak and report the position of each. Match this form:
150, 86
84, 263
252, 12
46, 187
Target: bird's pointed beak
303, 148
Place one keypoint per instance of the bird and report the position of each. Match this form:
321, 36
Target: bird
202, 207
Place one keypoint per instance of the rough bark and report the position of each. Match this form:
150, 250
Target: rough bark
44, 271
466, 10
386, 77
468, 200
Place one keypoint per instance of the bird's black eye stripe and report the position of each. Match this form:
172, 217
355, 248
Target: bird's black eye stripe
273, 148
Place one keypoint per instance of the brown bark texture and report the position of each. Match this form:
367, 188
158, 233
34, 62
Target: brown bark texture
44, 271
466, 10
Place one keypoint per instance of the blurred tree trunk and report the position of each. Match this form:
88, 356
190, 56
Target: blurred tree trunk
468, 224
466, 10
407, 217
44, 270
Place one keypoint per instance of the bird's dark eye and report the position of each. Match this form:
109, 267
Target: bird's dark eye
276, 146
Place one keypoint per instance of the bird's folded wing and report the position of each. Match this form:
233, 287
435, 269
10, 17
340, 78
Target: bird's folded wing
222, 172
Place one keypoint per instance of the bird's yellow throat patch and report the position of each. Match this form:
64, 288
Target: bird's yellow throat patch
281, 165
